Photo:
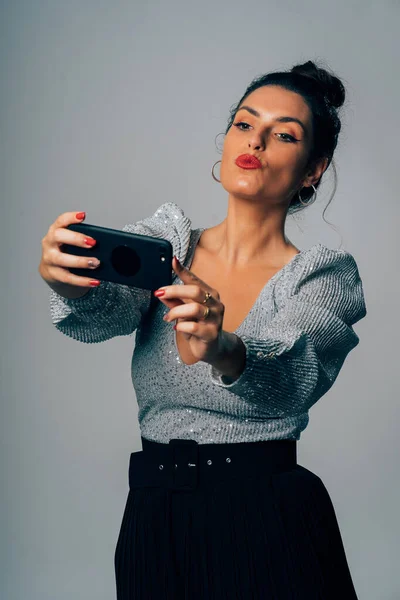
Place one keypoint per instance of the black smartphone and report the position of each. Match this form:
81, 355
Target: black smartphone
133, 259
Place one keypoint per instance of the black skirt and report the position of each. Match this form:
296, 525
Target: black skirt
228, 522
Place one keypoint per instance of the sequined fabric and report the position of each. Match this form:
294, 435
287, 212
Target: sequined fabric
297, 336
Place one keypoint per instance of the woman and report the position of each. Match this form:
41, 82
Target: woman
218, 507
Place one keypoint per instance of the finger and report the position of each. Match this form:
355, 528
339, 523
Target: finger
188, 292
63, 236
60, 275
198, 329
170, 303
187, 276
187, 311
54, 258
66, 219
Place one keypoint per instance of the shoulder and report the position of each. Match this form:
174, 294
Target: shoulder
328, 261
318, 261
328, 278
168, 222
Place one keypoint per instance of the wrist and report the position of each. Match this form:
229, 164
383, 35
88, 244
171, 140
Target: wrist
231, 356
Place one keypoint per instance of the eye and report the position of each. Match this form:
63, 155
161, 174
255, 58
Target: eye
292, 139
240, 124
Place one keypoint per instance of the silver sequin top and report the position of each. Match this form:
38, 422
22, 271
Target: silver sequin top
297, 336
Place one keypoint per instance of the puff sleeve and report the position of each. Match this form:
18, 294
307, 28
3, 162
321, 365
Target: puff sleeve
298, 354
113, 309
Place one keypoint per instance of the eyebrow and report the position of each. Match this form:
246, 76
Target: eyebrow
278, 119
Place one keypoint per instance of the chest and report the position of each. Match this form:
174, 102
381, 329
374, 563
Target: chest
238, 292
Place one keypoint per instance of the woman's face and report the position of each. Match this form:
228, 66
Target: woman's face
282, 147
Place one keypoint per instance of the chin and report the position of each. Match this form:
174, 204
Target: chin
243, 189
247, 195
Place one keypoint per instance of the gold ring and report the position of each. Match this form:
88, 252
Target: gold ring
208, 296
206, 313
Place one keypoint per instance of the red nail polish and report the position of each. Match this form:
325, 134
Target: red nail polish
174, 327
159, 293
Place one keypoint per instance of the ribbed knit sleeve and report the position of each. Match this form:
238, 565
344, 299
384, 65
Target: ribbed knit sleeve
298, 354
113, 309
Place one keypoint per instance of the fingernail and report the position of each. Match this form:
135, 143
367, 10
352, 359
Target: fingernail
93, 263
159, 293
80, 216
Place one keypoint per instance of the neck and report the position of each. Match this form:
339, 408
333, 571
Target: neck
251, 235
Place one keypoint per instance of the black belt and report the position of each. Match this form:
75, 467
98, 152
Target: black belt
185, 464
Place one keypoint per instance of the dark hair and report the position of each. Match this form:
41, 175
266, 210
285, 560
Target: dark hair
324, 93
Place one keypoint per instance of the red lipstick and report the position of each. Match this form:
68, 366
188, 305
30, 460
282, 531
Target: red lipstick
248, 161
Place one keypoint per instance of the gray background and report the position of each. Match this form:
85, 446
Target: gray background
113, 108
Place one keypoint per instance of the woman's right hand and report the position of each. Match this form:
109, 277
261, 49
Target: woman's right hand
54, 264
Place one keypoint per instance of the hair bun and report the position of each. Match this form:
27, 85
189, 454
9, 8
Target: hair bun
330, 85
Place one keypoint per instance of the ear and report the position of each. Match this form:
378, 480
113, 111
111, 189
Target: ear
315, 173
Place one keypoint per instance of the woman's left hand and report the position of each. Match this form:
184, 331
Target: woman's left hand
186, 305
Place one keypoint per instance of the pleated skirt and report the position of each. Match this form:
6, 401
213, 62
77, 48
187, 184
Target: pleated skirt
233, 521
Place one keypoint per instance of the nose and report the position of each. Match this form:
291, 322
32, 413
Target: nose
256, 142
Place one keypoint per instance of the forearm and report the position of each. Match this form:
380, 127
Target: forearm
231, 358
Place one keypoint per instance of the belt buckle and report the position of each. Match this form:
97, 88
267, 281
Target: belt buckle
185, 463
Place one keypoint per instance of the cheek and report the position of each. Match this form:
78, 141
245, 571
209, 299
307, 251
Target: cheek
231, 143
222, 172
231, 149
286, 161
226, 161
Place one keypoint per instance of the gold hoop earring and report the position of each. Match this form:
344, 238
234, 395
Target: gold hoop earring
312, 201
212, 171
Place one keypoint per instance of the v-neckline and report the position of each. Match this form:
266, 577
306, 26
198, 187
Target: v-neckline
195, 237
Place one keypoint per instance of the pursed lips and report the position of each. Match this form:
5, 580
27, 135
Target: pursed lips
248, 161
